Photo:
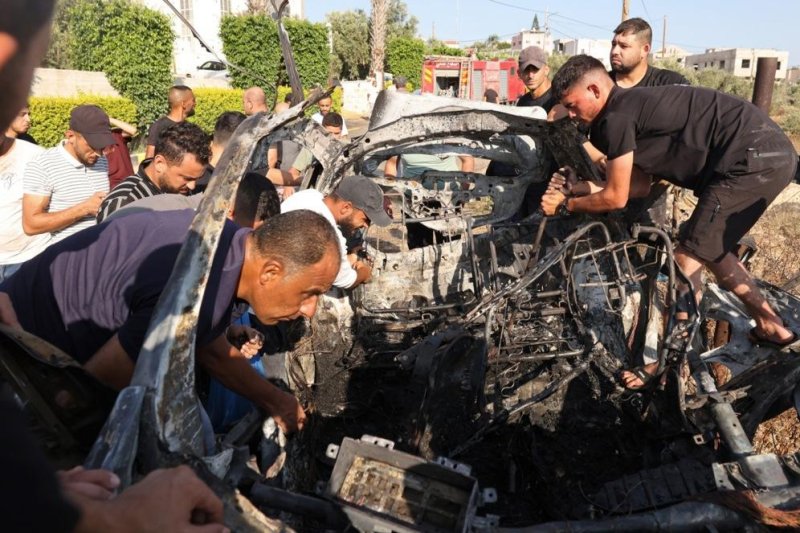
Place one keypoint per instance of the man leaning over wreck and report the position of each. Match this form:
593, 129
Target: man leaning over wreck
729, 152
355, 204
31, 497
93, 294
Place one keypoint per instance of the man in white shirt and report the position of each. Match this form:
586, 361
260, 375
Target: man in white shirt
324, 108
15, 246
64, 186
356, 203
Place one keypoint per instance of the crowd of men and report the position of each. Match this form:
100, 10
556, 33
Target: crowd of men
84, 255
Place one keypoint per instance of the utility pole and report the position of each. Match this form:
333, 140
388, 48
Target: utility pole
664, 40
380, 11
626, 4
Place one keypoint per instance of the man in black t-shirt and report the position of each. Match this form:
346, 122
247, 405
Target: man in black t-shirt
181, 106
729, 152
629, 50
534, 73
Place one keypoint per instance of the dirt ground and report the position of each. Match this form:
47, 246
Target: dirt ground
778, 262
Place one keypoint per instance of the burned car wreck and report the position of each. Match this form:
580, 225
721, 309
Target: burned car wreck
472, 384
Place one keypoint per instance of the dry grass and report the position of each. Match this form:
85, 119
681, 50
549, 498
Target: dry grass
778, 262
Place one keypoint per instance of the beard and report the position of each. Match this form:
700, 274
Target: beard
621, 68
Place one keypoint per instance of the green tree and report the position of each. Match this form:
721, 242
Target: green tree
251, 41
438, 48
404, 57
58, 52
399, 22
131, 44
350, 31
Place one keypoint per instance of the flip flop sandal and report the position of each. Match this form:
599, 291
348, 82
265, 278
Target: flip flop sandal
643, 375
755, 339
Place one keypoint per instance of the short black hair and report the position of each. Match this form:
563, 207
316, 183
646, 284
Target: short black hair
332, 119
177, 93
180, 139
572, 71
256, 200
639, 27
226, 124
299, 239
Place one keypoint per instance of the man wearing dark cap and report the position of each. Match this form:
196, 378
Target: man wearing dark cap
64, 186
356, 203
534, 72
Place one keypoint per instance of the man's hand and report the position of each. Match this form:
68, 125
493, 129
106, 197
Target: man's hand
92, 204
8, 315
248, 340
551, 200
286, 191
563, 180
287, 412
165, 500
93, 484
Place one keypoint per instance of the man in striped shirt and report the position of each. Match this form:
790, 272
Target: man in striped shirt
181, 155
64, 186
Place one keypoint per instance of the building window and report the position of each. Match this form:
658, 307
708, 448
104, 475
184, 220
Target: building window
225, 7
722, 64
745, 63
779, 65
186, 11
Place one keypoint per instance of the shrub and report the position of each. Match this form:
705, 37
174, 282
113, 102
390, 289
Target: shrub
131, 44
51, 114
251, 41
211, 103
404, 57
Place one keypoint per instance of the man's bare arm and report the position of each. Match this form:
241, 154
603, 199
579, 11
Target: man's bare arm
282, 177
37, 219
230, 367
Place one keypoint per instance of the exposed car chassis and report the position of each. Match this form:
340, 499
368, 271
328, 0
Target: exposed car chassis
472, 384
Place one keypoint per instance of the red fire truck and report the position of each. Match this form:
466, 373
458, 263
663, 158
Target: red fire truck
463, 77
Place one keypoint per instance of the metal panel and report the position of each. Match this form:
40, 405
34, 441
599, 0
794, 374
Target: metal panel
503, 92
477, 84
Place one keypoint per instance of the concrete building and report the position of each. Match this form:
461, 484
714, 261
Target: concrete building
526, 38
672, 52
205, 16
740, 62
793, 75
597, 48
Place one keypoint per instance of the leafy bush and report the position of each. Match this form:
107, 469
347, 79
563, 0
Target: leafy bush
404, 57
50, 115
211, 103
251, 41
131, 44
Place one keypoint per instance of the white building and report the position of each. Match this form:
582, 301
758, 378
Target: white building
205, 16
740, 62
526, 38
597, 48
672, 52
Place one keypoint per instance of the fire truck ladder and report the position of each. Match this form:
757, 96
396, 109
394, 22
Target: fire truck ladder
463, 79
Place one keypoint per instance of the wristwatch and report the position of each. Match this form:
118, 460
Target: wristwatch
562, 210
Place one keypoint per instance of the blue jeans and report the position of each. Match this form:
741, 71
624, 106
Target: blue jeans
6, 271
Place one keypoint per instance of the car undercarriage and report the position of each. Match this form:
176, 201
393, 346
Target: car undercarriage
473, 383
